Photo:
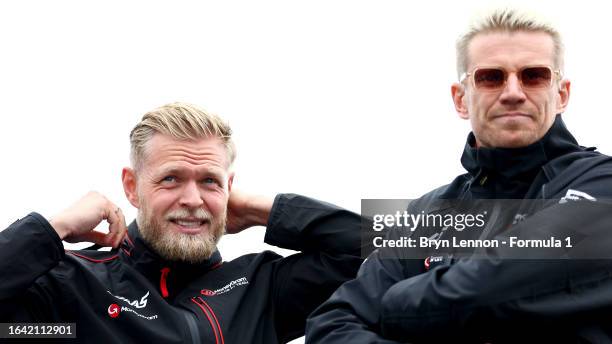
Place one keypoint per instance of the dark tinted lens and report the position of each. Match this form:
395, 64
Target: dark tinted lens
536, 77
489, 78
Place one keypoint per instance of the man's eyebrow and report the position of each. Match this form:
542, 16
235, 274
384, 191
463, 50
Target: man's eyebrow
174, 170
216, 172
168, 171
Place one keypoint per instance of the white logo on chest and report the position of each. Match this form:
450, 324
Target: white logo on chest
142, 303
575, 195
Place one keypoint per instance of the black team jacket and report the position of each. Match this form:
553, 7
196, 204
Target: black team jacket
494, 300
131, 295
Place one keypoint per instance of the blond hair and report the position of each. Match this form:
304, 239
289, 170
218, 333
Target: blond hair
507, 20
181, 121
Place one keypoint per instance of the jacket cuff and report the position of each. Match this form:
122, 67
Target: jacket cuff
280, 231
40, 221
29, 248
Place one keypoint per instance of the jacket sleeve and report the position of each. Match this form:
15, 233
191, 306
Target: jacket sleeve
29, 248
330, 244
352, 313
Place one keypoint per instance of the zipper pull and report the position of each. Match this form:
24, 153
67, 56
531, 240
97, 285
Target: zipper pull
483, 180
162, 282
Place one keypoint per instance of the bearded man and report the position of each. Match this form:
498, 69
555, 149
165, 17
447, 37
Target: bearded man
165, 281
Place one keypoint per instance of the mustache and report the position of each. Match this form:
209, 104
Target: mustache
198, 214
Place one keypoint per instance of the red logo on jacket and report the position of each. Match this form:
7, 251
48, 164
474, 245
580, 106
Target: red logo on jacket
427, 263
207, 292
114, 310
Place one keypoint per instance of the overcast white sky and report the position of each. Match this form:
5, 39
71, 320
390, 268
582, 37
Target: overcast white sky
339, 100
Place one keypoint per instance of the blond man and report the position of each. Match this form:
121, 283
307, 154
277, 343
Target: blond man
512, 90
165, 281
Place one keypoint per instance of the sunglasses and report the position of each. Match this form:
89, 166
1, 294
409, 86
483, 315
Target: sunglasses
495, 78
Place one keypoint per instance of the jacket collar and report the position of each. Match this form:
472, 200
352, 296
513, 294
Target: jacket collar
519, 163
144, 259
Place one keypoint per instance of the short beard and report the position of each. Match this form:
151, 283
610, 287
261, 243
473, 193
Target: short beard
181, 247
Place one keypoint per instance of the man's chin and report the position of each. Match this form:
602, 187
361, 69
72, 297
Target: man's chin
185, 248
509, 138
176, 243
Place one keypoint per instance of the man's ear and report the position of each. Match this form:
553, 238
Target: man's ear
564, 94
458, 94
128, 177
230, 181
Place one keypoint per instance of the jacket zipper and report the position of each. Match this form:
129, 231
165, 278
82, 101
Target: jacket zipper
212, 319
492, 221
191, 324
190, 317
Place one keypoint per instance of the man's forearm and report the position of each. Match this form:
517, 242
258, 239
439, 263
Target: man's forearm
258, 210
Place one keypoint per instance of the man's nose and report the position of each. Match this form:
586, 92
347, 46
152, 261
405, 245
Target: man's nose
191, 196
513, 91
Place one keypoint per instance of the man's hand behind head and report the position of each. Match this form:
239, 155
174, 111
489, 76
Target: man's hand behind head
76, 223
244, 211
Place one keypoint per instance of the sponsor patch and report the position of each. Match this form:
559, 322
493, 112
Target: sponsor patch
226, 288
575, 195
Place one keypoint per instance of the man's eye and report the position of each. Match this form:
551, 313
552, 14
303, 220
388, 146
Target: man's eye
210, 180
169, 179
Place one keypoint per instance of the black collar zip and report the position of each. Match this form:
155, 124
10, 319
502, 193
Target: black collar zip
509, 172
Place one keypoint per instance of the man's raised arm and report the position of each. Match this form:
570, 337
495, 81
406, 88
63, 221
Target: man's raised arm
330, 244
32, 246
